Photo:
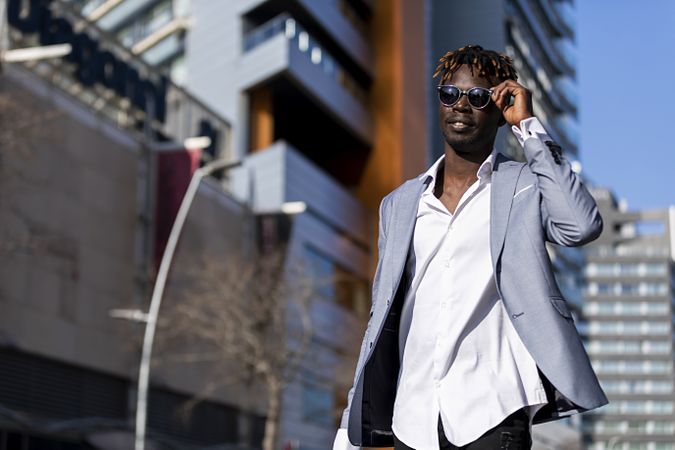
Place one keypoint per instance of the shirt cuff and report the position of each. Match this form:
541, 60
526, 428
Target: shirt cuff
530, 128
342, 441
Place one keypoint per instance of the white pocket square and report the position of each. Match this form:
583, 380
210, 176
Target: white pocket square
523, 189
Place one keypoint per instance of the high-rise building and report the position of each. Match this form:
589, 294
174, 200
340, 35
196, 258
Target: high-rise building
629, 300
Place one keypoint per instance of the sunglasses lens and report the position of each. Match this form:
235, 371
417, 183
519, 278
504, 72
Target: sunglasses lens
448, 95
478, 97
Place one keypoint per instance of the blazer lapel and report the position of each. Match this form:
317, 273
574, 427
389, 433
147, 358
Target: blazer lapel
505, 173
402, 224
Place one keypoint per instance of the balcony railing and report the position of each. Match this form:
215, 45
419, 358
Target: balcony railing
308, 45
567, 51
629, 251
144, 26
566, 12
568, 90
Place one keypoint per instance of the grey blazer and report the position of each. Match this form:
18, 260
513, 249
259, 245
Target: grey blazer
541, 200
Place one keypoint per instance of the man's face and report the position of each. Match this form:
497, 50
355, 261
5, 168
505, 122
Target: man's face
464, 128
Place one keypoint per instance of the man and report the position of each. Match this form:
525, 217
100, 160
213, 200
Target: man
470, 341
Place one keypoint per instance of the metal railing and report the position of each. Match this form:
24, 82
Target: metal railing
307, 44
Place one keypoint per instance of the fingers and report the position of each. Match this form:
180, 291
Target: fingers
503, 91
520, 108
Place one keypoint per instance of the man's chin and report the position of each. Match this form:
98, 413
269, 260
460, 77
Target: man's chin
461, 141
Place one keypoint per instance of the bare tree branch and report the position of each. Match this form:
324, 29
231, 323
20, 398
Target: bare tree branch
247, 318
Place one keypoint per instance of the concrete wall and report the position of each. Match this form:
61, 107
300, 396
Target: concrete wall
71, 230
69, 215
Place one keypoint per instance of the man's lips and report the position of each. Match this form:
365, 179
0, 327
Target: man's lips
460, 124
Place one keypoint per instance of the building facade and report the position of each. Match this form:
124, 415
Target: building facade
324, 103
629, 300
78, 229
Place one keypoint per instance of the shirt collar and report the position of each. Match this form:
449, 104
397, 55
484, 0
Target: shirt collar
484, 171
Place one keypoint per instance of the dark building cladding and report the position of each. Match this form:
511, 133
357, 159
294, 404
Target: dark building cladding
44, 400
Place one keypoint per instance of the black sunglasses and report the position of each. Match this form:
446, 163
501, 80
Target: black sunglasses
478, 97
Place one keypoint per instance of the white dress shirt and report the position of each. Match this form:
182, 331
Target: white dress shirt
460, 354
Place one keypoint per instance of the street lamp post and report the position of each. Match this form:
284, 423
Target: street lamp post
151, 318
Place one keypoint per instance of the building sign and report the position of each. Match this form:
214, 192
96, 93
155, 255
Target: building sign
93, 64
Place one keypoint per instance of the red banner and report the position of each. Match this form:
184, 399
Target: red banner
174, 172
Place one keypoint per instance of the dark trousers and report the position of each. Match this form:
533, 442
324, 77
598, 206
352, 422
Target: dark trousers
513, 433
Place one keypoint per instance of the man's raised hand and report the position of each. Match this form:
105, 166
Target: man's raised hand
520, 109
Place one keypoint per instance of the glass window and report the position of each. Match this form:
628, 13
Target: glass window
664, 446
658, 366
317, 404
660, 387
662, 427
337, 284
636, 426
629, 288
633, 407
632, 327
637, 446
657, 308
629, 327
661, 407
633, 367
656, 347
658, 327
655, 269
323, 271
605, 288
654, 288
628, 269
626, 308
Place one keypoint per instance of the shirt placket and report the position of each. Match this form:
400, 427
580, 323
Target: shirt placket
446, 266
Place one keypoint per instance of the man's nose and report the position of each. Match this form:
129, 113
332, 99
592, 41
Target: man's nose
462, 104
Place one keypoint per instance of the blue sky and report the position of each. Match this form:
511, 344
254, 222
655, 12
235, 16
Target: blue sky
626, 76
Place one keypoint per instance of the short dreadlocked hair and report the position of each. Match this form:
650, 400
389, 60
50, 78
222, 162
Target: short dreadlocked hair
489, 64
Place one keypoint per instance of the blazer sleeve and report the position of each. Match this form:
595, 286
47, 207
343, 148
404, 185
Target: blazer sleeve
570, 216
381, 242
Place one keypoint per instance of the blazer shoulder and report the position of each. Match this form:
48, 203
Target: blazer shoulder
412, 183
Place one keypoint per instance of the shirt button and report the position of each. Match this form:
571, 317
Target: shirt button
447, 263
443, 304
